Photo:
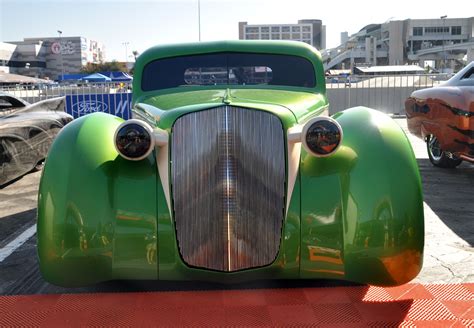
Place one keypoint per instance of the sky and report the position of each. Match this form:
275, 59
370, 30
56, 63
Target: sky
145, 23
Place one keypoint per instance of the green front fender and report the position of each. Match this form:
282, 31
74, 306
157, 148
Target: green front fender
91, 227
362, 208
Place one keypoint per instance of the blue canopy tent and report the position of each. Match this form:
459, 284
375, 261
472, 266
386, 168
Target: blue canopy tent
96, 77
118, 76
71, 77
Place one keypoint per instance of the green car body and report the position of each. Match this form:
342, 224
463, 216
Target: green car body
355, 215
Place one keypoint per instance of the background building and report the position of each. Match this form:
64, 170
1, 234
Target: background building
311, 31
444, 42
49, 57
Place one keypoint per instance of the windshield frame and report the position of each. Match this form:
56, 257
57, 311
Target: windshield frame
148, 73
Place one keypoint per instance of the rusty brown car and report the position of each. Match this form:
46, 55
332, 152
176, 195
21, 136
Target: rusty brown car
444, 117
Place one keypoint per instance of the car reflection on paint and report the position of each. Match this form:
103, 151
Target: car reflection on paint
26, 133
444, 117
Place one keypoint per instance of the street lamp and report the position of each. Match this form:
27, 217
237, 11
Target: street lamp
443, 18
199, 19
60, 33
126, 43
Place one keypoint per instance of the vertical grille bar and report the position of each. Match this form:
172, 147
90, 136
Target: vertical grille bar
228, 171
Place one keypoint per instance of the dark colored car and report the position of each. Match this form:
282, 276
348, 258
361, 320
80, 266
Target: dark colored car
26, 133
444, 117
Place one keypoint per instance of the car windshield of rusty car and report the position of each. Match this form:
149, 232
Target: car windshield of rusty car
228, 68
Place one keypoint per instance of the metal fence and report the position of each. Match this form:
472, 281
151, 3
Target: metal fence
112, 98
37, 92
384, 93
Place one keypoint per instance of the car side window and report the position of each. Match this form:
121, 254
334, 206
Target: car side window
6, 106
4, 103
9, 104
468, 78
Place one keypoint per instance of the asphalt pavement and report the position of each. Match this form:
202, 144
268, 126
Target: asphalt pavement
449, 240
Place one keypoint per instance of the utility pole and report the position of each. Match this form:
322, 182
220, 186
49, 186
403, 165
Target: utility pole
199, 19
60, 33
443, 18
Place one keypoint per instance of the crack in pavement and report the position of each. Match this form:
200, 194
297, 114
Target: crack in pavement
447, 267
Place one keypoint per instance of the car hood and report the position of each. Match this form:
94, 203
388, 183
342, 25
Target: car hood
39, 114
456, 97
281, 102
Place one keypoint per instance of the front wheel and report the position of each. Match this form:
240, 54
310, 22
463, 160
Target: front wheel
439, 157
39, 166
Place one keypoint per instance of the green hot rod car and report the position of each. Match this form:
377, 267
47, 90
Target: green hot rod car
231, 170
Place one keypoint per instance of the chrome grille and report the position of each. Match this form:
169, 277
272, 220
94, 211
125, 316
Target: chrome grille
228, 184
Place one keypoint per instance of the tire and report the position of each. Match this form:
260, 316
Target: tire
39, 166
439, 157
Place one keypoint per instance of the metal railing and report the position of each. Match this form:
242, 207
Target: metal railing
81, 99
36, 92
386, 93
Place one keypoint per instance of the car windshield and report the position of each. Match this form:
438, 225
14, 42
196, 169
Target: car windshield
228, 69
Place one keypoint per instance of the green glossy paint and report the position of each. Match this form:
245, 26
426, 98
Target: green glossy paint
362, 207
356, 215
91, 225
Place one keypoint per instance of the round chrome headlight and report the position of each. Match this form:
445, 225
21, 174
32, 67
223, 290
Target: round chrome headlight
134, 140
322, 136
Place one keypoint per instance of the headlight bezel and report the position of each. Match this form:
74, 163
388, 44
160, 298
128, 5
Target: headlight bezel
143, 125
307, 126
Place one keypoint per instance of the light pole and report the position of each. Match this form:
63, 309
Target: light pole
443, 18
60, 33
126, 53
199, 19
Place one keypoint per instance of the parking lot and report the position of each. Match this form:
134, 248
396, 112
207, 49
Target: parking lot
449, 224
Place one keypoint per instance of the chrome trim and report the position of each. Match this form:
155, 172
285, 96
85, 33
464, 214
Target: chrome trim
294, 158
228, 178
434, 148
294, 134
163, 162
147, 113
308, 125
161, 137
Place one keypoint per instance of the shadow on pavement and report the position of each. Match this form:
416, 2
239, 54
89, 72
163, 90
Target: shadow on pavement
450, 194
12, 225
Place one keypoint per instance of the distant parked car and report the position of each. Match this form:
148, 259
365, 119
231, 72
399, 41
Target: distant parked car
9, 103
26, 133
444, 117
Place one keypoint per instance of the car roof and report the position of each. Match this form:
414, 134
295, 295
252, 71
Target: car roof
454, 81
252, 46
